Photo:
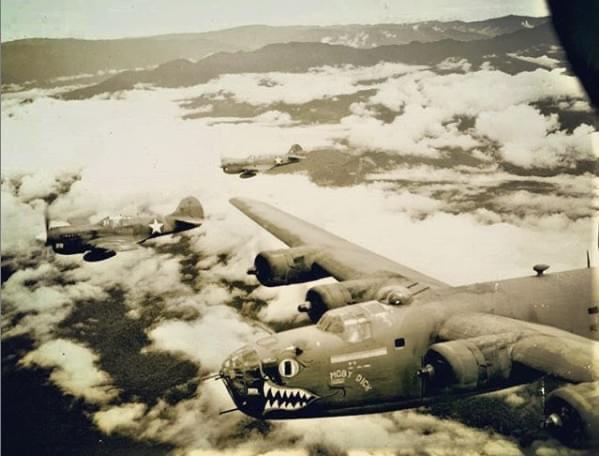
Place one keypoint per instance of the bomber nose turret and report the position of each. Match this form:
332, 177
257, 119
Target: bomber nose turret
242, 377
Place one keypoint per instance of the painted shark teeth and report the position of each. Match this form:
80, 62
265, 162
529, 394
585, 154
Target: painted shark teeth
283, 398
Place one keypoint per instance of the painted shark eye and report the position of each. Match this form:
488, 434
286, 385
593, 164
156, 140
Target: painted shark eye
288, 368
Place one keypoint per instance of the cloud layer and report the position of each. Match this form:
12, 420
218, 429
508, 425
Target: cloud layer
186, 302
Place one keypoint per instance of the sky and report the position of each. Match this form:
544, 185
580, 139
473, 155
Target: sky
117, 18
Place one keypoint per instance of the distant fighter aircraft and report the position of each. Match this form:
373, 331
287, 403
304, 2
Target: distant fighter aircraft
114, 234
388, 337
251, 166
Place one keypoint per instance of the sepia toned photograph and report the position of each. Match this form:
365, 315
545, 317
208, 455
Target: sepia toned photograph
354, 227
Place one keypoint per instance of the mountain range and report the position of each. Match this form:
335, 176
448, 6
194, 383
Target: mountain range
501, 51
43, 62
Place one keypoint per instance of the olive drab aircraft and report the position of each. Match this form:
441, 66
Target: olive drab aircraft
253, 165
388, 337
100, 241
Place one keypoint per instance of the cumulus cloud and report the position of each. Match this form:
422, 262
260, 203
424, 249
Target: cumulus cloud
429, 107
298, 88
122, 417
40, 295
419, 131
73, 369
208, 339
528, 138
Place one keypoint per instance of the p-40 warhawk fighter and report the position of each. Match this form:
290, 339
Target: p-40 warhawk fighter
388, 337
115, 234
251, 166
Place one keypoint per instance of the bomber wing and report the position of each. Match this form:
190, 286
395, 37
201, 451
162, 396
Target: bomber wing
546, 349
339, 257
115, 243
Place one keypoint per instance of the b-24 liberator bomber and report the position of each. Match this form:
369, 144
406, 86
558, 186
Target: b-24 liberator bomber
101, 240
249, 167
388, 337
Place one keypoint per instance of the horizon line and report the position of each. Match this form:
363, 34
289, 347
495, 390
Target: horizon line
133, 37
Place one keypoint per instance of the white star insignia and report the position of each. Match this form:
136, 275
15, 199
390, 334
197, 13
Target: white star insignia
156, 226
278, 161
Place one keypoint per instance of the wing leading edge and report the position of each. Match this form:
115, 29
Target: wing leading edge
339, 257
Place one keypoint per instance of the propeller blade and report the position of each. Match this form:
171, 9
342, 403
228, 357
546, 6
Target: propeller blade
47, 222
588, 260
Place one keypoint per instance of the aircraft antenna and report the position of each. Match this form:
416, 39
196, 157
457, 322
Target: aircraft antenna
215, 376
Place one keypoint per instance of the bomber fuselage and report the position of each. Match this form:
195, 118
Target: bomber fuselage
368, 357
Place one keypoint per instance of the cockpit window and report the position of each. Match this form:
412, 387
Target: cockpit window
115, 221
353, 326
245, 358
357, 330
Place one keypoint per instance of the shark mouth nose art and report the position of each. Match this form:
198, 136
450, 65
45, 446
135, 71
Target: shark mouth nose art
283, 398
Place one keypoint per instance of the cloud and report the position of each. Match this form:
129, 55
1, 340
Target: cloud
469, 93
42, 298
418, 131
21, 224
74, 369
539, 143
208, 339
429, 113
402, 431
123, 417
529, 204
452, 64
298, 88
543, 60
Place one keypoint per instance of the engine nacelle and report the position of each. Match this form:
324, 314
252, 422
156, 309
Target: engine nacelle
572, 414
321, 298
288, 266
468, 363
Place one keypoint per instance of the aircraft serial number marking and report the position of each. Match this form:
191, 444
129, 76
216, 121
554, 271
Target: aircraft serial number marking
382, 351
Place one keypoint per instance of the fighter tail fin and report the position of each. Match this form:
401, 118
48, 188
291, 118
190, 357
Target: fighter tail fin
189, 211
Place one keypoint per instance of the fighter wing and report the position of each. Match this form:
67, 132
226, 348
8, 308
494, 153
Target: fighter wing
115, 243
546, 349
339, 257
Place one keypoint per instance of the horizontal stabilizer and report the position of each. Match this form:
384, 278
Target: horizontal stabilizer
188, 220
